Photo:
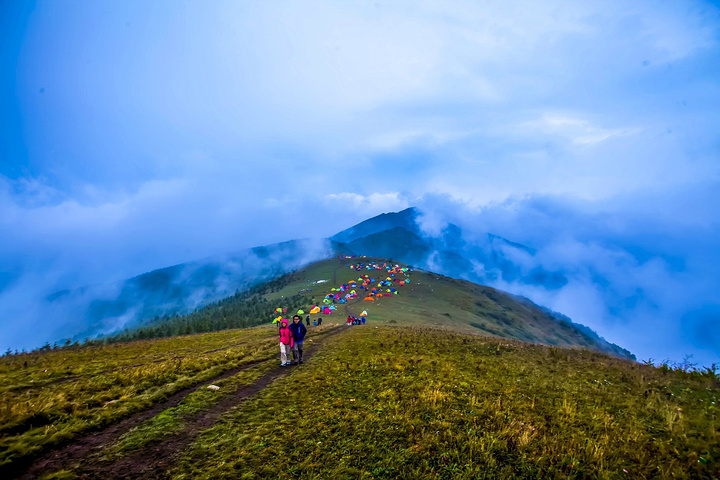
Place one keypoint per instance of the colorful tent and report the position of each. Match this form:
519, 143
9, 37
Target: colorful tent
301, 312
277, 319
364, 313
369, 299
315, 310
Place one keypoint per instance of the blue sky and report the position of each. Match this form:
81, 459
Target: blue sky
136, 135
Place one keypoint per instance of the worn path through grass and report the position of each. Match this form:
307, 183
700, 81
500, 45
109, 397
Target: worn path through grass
85, 460
36, 418
82, 446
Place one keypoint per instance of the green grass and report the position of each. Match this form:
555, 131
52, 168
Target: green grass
171, 420
439, 301
421, 403
49, 398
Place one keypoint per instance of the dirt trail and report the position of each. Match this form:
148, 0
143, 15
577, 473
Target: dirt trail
81, 446
155, 460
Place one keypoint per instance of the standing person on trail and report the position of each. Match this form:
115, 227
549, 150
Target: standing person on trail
307, 320
286, 342
298, 332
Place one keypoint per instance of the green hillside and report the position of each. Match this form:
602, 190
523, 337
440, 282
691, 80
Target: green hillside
430, 299
441, 382
421, 403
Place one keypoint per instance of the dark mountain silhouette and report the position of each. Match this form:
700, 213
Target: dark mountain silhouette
485, 260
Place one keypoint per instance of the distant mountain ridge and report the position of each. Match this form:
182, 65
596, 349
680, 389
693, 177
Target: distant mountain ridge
430, 300
179, 288
398, 236
182, 288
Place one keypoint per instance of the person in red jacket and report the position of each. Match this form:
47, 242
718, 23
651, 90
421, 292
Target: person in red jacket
286, 342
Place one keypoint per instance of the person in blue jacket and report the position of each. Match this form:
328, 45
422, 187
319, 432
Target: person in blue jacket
298, 332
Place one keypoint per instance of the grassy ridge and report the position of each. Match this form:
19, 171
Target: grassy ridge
431, 298
424, 403
458, 305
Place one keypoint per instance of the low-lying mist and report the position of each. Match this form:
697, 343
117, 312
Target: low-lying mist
90, 311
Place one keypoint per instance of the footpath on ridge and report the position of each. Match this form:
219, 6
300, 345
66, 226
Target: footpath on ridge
150, 462
153, 461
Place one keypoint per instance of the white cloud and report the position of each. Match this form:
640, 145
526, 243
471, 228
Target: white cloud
630, 276
370, 205
577, 130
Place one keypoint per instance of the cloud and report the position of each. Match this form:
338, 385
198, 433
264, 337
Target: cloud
375, 202
138, 136
578, 131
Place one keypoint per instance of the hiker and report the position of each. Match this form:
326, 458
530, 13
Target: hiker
319, 321
349, 320
307, 320
363, 320
298, 332
286, 342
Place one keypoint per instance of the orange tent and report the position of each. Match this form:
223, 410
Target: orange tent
369, 299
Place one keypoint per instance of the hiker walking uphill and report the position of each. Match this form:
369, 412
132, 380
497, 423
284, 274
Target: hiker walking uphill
298, 332
286, 342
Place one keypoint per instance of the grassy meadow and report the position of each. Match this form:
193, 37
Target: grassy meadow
49, 398
404, 402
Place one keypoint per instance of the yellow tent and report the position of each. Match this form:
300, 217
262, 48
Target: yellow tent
315, 309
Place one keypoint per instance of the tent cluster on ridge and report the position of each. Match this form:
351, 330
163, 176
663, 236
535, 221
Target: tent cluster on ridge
395, 276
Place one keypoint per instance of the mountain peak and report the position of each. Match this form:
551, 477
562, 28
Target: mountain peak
384, 221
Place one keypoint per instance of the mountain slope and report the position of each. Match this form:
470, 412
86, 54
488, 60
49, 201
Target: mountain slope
430, 299
397, 236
